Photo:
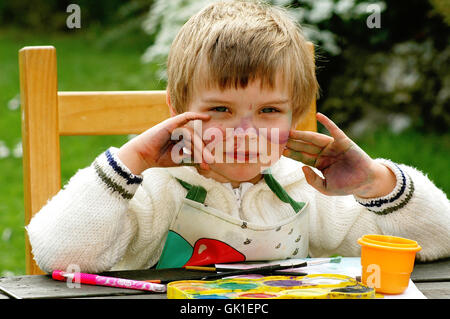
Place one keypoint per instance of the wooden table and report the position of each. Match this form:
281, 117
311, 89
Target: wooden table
433, 280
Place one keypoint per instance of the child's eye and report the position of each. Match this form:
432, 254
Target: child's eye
269, 110
220, 109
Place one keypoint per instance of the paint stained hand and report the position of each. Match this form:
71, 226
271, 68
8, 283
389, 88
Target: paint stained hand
346, 168
162, 145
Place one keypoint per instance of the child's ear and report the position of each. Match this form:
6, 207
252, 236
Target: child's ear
169, 103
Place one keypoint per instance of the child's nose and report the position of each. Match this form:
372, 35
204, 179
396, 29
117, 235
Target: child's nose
245, 124
245, 127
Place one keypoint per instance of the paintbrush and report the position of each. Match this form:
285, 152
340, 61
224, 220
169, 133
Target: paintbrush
266, 268
286, 265
275, 269
331, 260
283, 265
257, 270
226, 274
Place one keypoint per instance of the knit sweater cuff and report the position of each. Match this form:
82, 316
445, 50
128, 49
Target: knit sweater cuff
115, 175
395, 200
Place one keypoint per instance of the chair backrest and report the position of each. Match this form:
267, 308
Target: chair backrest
48, 114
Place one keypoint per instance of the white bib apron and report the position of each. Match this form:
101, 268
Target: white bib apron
201, 235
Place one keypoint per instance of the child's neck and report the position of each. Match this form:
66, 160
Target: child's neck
222, 179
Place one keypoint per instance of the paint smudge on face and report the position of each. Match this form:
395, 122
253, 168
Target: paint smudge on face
274, 135
246, 123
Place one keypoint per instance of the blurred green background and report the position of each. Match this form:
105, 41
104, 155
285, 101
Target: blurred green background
387, 87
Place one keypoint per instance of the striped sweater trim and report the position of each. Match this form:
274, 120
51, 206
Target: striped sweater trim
115, 175
110, 183
397, 199
131, 179
400, 205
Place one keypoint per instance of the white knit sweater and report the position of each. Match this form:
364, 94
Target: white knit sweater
107, 218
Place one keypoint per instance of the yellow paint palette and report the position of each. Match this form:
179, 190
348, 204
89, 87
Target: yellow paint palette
318, 286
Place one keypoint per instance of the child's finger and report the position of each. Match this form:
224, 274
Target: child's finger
199, 153
182, 119
334, 130
301, 146
187, 144
305, 158
318, 139
183, 134
315, 180
204, 154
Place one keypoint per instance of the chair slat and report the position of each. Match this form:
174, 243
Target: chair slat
309, 122
110, 112
40, 138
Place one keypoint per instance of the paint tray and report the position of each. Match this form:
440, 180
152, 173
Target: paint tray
317, 286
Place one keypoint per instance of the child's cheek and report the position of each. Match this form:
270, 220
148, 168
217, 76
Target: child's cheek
283, 137
278, 134
213, 131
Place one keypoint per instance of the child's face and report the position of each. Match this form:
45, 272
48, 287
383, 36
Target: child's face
248, 129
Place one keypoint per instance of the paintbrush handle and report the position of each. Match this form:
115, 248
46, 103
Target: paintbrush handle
260, 270
270, 267
303, 264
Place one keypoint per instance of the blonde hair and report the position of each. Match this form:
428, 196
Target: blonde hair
231, 43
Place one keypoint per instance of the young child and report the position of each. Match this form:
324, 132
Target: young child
243, 70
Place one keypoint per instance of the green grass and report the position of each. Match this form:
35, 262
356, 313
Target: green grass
428, 153
82, 65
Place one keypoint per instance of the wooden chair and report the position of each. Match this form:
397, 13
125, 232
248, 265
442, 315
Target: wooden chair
48, 114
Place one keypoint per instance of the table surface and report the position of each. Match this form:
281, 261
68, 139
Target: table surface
432, 279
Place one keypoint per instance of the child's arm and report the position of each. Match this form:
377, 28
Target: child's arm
388, 198
416, 209
87, 223
90, 222
346, 168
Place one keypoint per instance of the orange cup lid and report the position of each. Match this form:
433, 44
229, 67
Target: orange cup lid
389, 242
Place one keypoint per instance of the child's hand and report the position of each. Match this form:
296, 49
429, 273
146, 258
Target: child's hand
153, 148
346, 168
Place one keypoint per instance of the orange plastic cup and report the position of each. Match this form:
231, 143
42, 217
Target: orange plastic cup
387, 262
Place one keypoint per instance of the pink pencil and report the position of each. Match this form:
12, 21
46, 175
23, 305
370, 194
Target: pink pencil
97, 280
